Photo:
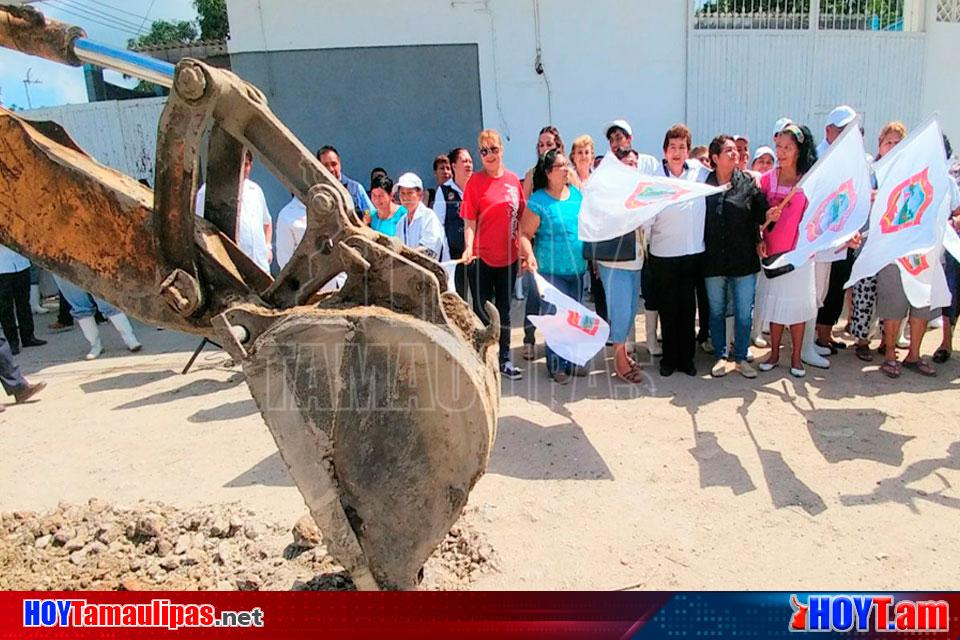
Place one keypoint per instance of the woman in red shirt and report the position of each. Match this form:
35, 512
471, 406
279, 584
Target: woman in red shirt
492, 202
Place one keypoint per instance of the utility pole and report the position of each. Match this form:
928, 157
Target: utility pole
26, 87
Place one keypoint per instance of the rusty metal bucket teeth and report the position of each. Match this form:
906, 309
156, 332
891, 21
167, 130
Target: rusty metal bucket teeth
385, 422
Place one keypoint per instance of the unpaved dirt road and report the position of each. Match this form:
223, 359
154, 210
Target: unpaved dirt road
842, 480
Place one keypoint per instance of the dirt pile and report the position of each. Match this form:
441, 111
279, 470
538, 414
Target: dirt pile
224, 547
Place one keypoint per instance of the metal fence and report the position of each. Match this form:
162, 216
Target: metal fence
948, 11
833, 15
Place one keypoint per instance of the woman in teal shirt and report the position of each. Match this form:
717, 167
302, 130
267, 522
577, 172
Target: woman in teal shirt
388, 213
551, 217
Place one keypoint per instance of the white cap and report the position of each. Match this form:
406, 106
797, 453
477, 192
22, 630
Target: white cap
410, 180
781, 123
623, 124
841, 116
740, 136
763, 151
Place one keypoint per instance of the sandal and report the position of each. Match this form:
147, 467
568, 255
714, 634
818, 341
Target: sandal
862, 351
890, 368
941, 355
634, 375
920, 367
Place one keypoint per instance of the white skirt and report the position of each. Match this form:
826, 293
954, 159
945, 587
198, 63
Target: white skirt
790, 298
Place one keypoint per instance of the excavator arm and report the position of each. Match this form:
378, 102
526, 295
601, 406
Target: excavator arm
382, 397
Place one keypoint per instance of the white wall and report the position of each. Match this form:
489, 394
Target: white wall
604, 59
942, 75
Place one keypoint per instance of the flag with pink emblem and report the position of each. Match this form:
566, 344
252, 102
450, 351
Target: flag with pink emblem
574, 332
838, 194
908, 216
617, 199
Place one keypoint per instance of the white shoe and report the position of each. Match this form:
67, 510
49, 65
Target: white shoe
824, 351
90, 331
122, 324
768, 366
798, 373
35, 305
809, 353
719, 369
750, 357
760, 342
746, 370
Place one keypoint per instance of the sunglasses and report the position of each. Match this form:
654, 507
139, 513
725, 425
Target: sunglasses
485, 151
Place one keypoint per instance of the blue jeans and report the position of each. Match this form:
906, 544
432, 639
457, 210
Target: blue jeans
571, 286
741, 292
82, 304
623, 297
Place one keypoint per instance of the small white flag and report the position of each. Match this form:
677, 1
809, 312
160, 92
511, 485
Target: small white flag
574, 332
617, 199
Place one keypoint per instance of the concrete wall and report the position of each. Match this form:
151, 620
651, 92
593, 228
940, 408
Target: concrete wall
395, 107
602, 59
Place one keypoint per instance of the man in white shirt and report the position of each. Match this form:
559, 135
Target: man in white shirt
420, 229
291, 225
676, 247
254, 224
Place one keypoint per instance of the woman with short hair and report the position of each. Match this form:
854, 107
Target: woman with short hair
863, 298
730, 262
492, 203
386, 214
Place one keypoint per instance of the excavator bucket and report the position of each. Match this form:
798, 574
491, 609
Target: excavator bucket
382, 396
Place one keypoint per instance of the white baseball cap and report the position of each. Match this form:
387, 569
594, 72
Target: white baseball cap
623, 124
763, 151
841, 116
410, 180
781, 123
740, 136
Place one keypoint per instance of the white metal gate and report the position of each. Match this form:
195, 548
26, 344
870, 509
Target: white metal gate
750, 66
119, 134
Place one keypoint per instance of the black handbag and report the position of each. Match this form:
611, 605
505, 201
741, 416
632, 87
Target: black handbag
778, 271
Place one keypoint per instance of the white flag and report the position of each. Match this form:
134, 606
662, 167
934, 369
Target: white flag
617, 199
574, 332
951, 242
906, 217
923, 279
838, 199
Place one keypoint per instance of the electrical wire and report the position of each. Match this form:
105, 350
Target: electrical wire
82, 16
98, 14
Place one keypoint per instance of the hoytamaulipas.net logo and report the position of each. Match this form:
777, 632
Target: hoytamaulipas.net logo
875, 613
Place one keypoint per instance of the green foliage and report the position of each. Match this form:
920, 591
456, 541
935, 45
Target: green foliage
212, 18
164, 32
888, 11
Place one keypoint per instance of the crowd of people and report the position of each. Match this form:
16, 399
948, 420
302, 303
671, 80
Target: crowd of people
696, 269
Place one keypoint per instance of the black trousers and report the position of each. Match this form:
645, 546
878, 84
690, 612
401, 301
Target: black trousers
63, 313
833, 302
10, 377
460, 283
15, 312
677, 279
703, 310
596, 290
494, 284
